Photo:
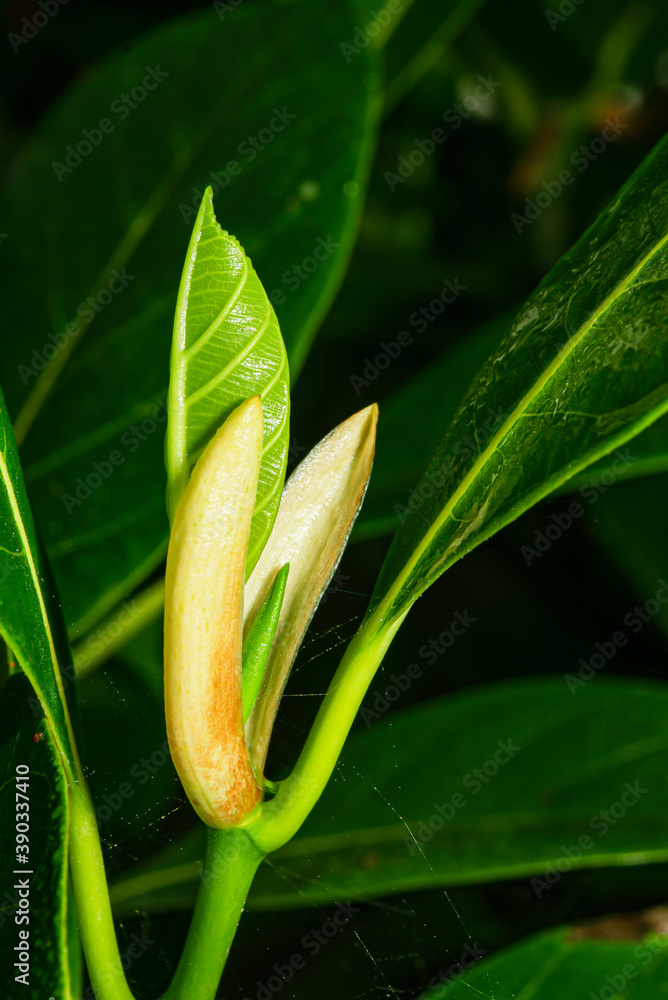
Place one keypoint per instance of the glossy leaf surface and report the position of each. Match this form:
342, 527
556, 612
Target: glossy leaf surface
583, 369
414, 418
263, 107
227, 347
474, 808
623, 956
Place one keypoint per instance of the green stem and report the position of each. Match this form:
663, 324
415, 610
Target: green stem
231, 862
279, 819
96, 924
74, 951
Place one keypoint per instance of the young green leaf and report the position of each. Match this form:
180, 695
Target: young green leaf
583, 369
227, 347
258, 641
264, 70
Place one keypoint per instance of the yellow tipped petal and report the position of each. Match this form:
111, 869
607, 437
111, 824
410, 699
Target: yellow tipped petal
319, 505
203, 614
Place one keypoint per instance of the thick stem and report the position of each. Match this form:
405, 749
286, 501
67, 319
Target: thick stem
231, 862
279, 819
96, 924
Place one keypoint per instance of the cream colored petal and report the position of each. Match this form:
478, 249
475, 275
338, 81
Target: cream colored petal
319, 505
203, 614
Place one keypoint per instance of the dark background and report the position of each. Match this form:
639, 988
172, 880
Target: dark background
450, 219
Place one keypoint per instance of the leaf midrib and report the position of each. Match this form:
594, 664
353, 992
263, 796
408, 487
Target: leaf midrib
532, 393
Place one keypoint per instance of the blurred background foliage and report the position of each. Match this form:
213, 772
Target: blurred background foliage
560, 77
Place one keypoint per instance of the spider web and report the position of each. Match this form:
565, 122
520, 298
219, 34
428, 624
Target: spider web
362, 956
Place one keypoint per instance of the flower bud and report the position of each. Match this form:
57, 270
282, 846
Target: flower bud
318, 508
203, 622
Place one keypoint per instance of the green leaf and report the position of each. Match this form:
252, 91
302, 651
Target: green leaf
463, 815
414, 418
370, 837
46, 873
30, 618
583, 369
227, 347
299, 193
620, 956
258, 641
